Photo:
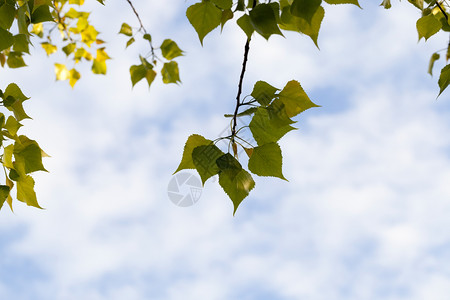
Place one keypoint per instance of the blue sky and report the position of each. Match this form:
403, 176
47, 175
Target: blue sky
365, 212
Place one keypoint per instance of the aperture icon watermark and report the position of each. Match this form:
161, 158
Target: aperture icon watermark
185, 189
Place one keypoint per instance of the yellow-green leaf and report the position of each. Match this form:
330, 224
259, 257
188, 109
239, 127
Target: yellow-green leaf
444, 78
204, 158
204, 17
126, 29
49, 48
266, 160
170, 49
6, 39
263, 20
263, 92
427, 26
61, 71
192, 142
295, 99
305, 9
170, 72
236, 186
12, 125
433, 59
74, 76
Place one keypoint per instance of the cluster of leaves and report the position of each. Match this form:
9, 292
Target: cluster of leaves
434, 18
271, 112
169, 51
303, 16
21, 155
77, 34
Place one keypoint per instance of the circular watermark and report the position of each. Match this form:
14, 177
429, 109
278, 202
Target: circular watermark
184, 189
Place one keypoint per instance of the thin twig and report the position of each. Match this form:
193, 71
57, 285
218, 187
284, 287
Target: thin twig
141, 24
442, 10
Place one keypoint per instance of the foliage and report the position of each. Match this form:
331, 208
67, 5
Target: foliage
270, 109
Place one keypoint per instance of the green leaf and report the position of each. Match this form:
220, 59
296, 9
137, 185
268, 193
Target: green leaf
263, 20
427, 26
21, 43
170, 49
129, 42
192, 142
433, 59
12, 125
228, 163
170, 72
227, 14
237, 186
266, 160
444, 78
204, 17
204, 158
223, 4
22, 19
355, 2
263, 92
7, 13
246, 25
25, 191
15, 60
246, 112
7, 156
138, 72
147, 37
6, 39
126, 29
294, 23
277, 114
4, 193
69, 48
28, 153
240, 5
41, 14
295, 99
265, 130
305, 9
14, 93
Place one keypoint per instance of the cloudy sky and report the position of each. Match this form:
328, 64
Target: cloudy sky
366, 211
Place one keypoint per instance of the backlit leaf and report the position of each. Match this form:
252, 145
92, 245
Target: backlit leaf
4, 193
262, 17
294, 23
7, 13
204, 17
295, 99
264, 130
129, 42
263, 92
305, 9
25, 191
204, 158
192, 142
7, 156
6, 39
99, 66
49, 48
12, 125
61, 72
223, 4
170, 72
126, 29
74, 76
246, 25
15, 101
170, 49
266, 160
444, 78
21, 43
236, 186
433, 59
427, 26
227, 14
355, 2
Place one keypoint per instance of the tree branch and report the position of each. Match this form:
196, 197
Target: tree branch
141, 25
